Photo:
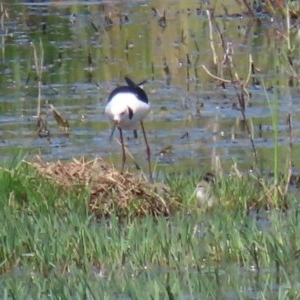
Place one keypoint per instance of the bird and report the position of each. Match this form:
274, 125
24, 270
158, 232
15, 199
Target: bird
204, 195
204, 191
127, 106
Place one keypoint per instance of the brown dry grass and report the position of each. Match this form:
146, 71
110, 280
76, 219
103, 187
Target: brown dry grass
109, 191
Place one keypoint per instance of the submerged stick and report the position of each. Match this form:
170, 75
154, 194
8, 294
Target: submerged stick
215, 57
39, 72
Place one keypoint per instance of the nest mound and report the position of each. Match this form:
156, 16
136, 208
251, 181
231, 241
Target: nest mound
110, 191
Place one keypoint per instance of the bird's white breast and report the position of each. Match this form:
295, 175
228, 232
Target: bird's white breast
121, 102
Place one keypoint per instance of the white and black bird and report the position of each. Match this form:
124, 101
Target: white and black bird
126, 107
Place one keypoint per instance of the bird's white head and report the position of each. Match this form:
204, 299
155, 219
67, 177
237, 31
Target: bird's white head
120, 112
120, 116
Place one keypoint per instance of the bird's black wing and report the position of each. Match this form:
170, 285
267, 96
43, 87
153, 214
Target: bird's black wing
133, 84
130, 82
140, 93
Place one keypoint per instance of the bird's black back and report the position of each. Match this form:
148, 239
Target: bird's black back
132, 88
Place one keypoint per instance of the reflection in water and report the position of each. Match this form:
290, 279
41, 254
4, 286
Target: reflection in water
89, 47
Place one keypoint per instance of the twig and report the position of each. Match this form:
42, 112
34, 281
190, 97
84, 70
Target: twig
39, 71
214, 76
240, 87
289, 123
288, 27
215, 57
250, 70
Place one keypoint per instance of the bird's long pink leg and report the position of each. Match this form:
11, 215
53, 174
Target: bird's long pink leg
123, 150
147, 152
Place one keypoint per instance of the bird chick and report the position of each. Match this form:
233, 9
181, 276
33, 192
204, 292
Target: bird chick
204, 194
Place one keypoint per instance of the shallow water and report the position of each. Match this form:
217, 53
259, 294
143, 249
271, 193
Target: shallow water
85, 58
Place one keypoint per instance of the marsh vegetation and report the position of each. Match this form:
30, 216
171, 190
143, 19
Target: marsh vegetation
223, 84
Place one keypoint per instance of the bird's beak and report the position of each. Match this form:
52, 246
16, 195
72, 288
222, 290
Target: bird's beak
113, 130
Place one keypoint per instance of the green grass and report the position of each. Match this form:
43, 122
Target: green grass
50, 245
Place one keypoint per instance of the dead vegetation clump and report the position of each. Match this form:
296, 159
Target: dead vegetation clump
109, 190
